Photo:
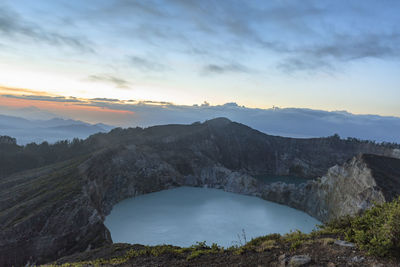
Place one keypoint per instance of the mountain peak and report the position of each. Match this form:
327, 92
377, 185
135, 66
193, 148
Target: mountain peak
220, 121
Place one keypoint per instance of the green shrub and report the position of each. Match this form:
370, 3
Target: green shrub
200, 248
258, 244
377, 231
296, 239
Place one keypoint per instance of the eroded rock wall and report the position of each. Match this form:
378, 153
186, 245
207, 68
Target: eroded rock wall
345, 190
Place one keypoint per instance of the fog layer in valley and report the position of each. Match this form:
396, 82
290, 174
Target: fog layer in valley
289, 122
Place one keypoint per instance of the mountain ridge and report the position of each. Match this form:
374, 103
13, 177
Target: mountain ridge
51, 130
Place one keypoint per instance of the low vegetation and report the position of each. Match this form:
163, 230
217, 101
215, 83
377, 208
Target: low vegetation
200, 248
377, 231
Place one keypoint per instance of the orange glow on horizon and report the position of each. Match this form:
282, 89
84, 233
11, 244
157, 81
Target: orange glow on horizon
20, 91
56, 106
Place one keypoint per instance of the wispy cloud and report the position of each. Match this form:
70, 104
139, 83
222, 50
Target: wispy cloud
303, 36
13, 90
224, 68
145, 64
295, 64
158, 103
110, 79
320, 43
105, 99
15, 26
343, 48
46, 98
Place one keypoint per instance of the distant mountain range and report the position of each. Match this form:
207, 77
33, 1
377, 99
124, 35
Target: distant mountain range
288, 122
51, 130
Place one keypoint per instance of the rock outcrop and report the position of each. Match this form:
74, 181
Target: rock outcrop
59, 209
345, 190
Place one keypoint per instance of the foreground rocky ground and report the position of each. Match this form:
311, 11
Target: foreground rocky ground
290, 250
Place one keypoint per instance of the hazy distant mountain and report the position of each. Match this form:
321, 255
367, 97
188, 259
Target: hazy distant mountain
289, 122
29, 113
52, 130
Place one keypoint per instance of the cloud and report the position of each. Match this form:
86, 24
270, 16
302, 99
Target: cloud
45, 98
144, 64
343, 48
346, 47
105, 78
291, 35
321, 44
105, 99
149, 102
136, 7
11, 90
293, 122
224, 68
15, 26
294, 64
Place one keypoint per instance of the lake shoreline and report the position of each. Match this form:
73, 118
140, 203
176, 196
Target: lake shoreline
185, 215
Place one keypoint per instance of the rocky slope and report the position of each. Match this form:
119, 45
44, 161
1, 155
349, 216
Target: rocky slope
59, 209
345, 190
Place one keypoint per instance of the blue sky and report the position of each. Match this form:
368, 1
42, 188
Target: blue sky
330, 55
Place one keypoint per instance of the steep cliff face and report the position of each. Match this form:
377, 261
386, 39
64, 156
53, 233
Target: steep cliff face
59, 209
345, 190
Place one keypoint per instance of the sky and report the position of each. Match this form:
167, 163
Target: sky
99, 56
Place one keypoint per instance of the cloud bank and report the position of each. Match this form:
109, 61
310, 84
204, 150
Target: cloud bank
291, 122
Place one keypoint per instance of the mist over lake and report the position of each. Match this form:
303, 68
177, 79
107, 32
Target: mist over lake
185, 215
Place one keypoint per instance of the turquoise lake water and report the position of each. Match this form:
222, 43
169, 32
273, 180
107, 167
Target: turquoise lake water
185, 215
